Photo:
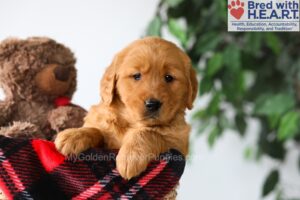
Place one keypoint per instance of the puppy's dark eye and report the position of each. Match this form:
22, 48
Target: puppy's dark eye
169, 78
137, 76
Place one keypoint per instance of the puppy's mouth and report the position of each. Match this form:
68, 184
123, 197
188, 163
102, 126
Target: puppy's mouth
151, 115
150, 118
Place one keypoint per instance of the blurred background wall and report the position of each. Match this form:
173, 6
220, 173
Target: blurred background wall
95, 30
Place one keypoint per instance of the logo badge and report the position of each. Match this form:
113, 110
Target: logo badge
263, 15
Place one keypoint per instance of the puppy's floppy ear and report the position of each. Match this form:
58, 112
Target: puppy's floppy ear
192, 87
108, 83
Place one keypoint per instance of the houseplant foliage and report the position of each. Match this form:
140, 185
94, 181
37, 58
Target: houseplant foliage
254, 75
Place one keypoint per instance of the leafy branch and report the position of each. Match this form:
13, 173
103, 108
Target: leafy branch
254, 75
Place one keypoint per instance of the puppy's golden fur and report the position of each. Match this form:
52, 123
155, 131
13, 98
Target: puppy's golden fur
120, 120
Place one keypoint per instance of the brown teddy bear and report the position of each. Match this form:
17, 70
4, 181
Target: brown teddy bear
38, 78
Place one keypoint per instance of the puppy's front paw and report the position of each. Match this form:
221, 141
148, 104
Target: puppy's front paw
131, 163
76, 140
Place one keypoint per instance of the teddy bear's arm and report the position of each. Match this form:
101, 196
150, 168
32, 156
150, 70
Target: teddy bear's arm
6, 110
18, 129
66, 117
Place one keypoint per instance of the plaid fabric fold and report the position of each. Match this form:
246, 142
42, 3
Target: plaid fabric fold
33, 169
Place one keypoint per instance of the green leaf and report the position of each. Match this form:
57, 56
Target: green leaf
200, 114
221, 9
213, 135
224, 122
289, 125
173, 3
207, 42
240, 123
253, 42
213, 106
270, 182
274, 104
214, 64
273, 148
268, 143
273, 120
177, 30
248, 153
206, 84
154, 27
273, 42
203, 127
232, 57
235, 89
284, 62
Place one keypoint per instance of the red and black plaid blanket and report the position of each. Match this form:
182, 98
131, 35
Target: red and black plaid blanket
33, 169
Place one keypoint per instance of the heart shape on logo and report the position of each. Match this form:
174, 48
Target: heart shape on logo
237, 13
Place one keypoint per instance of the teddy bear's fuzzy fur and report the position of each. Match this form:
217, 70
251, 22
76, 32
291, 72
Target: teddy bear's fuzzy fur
34, 73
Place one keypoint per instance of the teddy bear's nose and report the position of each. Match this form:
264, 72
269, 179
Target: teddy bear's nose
62, 73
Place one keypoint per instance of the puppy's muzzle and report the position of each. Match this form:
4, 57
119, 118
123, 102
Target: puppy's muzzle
152, 105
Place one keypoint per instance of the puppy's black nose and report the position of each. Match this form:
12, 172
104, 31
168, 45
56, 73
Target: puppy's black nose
152, 105
62, 73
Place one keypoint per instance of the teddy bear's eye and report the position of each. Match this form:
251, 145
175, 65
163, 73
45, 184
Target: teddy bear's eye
169, 78
137, 76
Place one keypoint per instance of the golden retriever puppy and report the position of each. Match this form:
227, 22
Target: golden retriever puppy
144, 95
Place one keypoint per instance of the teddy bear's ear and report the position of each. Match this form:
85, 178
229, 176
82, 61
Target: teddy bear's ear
40, 40
8, 46
108, 83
